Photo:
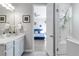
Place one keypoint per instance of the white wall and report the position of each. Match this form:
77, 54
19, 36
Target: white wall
20, 10
40, 10
75, 25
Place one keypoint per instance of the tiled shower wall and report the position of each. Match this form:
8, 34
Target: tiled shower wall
62, 30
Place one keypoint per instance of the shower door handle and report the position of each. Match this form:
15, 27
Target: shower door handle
51, 35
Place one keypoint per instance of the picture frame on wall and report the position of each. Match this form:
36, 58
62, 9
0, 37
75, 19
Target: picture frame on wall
2, 18
26, 19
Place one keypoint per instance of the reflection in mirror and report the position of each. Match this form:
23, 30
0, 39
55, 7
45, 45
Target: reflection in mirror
6, 19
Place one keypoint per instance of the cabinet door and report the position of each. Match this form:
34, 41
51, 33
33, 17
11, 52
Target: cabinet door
9, 52
19, 46
6, 49
9, 49
2, 50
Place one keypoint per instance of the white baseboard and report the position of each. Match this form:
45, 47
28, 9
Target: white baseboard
28, 51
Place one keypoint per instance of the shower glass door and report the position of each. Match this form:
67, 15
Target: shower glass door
63, 26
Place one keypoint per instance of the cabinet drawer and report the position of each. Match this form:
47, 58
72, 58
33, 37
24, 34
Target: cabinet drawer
9, 45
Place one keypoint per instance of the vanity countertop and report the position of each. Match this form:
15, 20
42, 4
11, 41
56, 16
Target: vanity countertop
4, 40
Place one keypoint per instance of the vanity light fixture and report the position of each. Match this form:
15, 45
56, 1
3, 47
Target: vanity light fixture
8, 6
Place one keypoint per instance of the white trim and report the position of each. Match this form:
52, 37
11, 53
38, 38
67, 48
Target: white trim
28, 50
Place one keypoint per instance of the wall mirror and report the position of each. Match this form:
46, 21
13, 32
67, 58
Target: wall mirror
6, 19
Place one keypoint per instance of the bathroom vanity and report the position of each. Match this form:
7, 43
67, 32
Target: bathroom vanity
12, 46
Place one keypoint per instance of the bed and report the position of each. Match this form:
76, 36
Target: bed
40, 36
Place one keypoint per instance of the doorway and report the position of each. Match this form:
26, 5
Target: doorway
39, 27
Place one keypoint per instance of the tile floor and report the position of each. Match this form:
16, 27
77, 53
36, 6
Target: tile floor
39, 45
39, 50
35, 54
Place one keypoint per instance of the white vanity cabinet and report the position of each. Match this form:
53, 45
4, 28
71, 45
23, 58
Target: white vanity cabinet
12, 46
19, 46
6, 49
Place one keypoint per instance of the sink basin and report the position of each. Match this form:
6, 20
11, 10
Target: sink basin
6, 35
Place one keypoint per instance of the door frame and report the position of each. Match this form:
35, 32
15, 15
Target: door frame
54, 30
38, 4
